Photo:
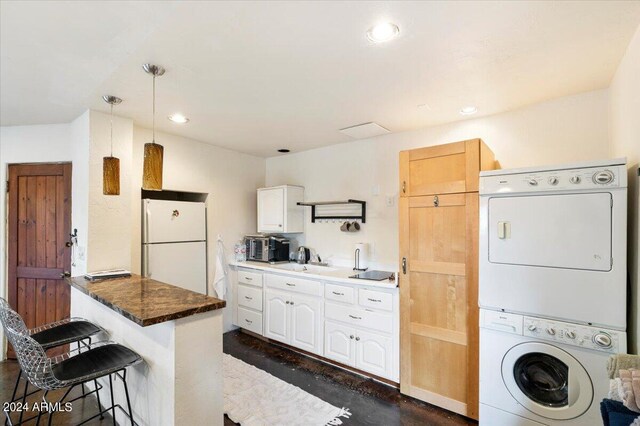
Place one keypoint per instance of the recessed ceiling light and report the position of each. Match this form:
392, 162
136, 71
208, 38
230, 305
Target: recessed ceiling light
383, 32
178, 118
468, 110
284, 150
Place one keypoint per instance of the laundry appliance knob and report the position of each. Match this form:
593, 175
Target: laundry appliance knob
602, 339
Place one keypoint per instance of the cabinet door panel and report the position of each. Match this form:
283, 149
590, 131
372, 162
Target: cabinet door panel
270, 210
276, 316
306, 323
339, 343
374, 353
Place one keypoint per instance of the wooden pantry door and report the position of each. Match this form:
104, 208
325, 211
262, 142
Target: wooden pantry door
438, 291
39, 222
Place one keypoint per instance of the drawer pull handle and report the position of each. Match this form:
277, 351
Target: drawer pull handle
249, 321
351, 337
248, 298
374, 300
248, 278
358, 318
337, 294
291, 285
287, 302
357, 338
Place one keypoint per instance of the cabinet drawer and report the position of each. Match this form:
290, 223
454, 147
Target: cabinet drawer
250, 320
250, 297
375, 299
358, 316
339, 293
250, 278
299, 285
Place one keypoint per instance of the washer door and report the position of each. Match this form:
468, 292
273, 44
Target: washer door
547, 381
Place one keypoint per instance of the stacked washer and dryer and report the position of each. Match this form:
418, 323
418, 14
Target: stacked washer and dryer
552, 291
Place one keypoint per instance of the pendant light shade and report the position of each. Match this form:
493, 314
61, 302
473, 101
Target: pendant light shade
153, 153
152, 167
110, 176
111, 164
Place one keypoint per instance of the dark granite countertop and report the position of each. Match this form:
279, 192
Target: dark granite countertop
146, 301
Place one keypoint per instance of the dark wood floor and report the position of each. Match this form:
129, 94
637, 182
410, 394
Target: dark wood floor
370, 402
82, 408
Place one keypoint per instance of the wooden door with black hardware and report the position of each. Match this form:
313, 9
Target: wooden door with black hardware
438, 218
39, 223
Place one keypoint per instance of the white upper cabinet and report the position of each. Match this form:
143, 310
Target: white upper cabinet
278, 211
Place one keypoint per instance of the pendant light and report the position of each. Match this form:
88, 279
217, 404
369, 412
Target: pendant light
153, 153
111, 164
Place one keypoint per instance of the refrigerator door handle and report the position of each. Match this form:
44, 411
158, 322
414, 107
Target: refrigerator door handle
145, 227
145, 261
145, 240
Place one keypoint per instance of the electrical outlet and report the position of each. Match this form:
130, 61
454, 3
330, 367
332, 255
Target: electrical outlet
375, 190
390, 200
81, 252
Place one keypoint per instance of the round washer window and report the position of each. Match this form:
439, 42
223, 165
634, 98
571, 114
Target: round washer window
547, 380
543, 378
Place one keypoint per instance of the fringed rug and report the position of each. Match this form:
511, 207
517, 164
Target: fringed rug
253, 397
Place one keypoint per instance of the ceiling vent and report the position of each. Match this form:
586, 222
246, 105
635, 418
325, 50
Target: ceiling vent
364, 131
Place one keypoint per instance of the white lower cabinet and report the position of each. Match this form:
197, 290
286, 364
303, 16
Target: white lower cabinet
306, 323
364, 350
356, 326
339, 344
373, 353
276, 318
294, 319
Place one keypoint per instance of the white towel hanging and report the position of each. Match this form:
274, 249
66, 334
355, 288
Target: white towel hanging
221, 275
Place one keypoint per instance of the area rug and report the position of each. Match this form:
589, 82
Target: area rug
253, 397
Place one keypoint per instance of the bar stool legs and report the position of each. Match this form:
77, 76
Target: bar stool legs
126, 392
95, 383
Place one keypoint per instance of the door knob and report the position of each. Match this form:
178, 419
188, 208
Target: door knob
65, 274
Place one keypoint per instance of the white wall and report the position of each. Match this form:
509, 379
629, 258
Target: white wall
109, 216
45, 143
568, 129
230, 178
625, 142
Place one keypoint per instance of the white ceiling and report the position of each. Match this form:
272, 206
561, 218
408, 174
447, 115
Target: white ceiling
258, 76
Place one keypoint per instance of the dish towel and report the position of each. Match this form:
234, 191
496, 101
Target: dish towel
221, 276
615, 363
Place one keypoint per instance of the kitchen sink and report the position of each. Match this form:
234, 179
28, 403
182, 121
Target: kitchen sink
304, 268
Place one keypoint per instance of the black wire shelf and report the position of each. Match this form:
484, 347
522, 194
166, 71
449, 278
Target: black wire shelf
362, 217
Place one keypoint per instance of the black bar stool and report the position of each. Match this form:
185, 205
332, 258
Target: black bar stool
70, 369
71, 330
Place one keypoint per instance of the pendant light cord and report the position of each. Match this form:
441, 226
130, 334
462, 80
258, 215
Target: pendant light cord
111, 122
154, 110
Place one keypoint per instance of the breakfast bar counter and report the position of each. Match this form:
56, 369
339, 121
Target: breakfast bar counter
146, 301
178, 333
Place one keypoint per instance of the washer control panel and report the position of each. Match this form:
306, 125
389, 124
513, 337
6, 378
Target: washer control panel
555, 180
573, 334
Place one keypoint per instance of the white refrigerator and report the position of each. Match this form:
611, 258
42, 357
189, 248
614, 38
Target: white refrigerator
174, 243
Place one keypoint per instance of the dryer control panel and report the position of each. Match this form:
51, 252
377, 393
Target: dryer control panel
594, 338
580, 179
